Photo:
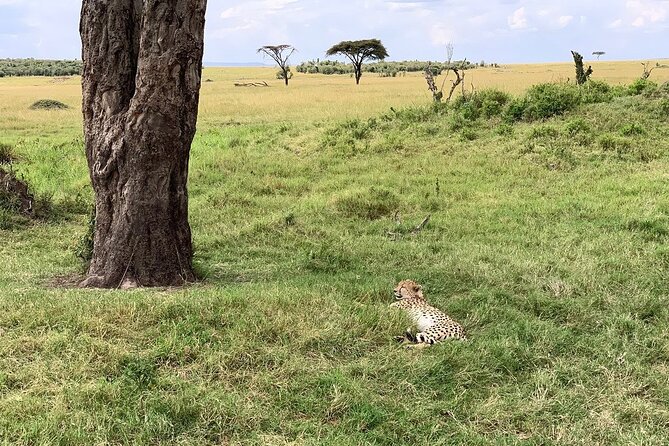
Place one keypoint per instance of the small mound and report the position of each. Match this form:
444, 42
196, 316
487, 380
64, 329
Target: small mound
15, 195
48, 104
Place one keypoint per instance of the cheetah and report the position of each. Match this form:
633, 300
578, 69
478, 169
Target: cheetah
433, 325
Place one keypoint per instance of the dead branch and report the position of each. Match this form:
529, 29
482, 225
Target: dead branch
648, 71
251, 84
459, 79
422, 225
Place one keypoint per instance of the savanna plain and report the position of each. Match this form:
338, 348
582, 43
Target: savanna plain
547, 240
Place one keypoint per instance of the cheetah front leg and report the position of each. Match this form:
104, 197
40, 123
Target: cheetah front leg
423, 339
408, 337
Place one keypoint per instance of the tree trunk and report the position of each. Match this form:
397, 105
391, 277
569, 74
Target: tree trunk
582, 75
142, 63
358, 74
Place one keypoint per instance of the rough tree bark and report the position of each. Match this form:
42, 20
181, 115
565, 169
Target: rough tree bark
141, 82
582, 75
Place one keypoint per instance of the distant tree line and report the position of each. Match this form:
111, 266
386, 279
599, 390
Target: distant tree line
36, 67
382, 68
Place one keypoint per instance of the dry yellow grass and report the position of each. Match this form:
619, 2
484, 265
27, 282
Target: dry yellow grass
308, 98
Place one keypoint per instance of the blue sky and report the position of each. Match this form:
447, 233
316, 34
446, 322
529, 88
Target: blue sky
493, 30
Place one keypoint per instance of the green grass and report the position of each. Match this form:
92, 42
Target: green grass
547, 241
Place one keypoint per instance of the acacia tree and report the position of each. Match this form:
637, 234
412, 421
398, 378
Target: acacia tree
280, 55
142, 63
598, 54
359, 51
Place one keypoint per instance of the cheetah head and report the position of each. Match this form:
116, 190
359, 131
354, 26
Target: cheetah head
408, 289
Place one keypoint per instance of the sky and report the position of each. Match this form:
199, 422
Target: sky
502, 31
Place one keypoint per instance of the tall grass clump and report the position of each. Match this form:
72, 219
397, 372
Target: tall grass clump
370, 204
6, 154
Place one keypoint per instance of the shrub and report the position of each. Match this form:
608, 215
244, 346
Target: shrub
468, 110
548, 100
641, 86
487, 103
594, 92
515, 110
48, 104
492, 102
371, 204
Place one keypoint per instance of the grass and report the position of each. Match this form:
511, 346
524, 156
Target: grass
547, 240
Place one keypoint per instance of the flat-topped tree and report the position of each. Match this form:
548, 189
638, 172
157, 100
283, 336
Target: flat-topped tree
280, 55
142, 64
359, 51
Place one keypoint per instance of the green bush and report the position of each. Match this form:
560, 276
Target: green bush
641, 86
515, 110
486, 103
492, 102
547, 100
594, 92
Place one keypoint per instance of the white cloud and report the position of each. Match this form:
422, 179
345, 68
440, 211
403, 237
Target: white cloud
646, 13
518, 20
564, 20
639, 22
616, 24
440, 34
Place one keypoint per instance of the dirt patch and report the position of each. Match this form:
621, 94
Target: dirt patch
48, 104
15, 195
67, 281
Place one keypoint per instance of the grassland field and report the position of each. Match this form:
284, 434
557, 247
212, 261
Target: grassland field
547, 241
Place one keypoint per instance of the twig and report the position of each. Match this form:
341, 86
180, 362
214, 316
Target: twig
422, 225
125, 273
251, 84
